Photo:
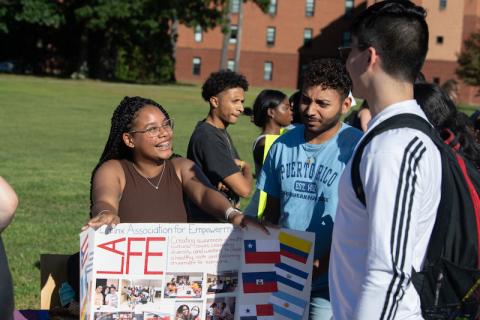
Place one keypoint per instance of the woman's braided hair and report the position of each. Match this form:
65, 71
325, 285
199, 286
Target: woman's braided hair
122, 120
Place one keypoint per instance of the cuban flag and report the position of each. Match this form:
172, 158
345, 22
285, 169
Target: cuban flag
287, 305
290, 276
257, 282
262, 251
294, 247
256, 312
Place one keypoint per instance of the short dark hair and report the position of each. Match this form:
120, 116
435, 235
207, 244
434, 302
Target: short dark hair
265, 100
223, 80
328, 73
398, 31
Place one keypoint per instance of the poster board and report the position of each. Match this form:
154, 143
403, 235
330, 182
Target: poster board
169, 271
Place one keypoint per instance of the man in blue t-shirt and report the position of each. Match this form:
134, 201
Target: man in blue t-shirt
302, 169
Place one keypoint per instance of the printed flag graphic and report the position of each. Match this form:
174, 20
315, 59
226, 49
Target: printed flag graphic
256, 312
257, 282
262, 251
294, 247
291, 276
84, 252
287, 305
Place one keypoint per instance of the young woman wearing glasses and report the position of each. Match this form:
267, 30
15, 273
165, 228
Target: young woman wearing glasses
137, 179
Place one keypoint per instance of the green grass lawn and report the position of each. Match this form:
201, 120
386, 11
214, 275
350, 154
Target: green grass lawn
53, 133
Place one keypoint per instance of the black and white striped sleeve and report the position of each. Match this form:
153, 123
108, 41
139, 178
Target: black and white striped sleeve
392, 181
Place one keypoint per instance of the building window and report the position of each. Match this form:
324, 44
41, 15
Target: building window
349, 4
235, 6
346, 38
307, 37
443, 4
309, 8
196, 66
268, 71
272, 7
231, 65
198, 34
270, 36
436, 80
233, 33
439, 39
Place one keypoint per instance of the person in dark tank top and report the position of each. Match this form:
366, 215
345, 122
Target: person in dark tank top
137, 180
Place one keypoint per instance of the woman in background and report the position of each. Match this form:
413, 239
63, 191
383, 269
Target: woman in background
271, 112
454, 126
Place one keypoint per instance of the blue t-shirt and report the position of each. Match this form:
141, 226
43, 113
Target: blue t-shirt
305, 178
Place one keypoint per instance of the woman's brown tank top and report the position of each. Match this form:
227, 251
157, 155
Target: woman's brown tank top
141, 202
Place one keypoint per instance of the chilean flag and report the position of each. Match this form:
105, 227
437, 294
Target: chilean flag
262, 251
256, 312
258, 282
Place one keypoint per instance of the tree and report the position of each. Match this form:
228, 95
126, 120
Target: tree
226, 29
108, 39
469, 61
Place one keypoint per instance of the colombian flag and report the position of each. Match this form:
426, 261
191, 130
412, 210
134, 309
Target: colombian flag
294, 247
256, 312
257, 282
262, 251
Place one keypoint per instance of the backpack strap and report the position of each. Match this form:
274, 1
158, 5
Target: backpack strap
412, 121
406, 120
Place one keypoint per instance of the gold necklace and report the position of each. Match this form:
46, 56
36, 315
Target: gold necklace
148, 180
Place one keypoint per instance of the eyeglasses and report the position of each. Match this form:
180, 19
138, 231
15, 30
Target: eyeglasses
151, 132
344, 51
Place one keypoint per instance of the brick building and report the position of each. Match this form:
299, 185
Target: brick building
274, 46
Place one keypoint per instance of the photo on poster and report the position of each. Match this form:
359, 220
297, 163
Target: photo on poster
106, 316
140, 294
220, 308
126, 316
183, 285
223, 282
157, 316
188, 310
106, 294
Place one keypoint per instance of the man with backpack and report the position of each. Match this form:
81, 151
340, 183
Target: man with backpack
378, 242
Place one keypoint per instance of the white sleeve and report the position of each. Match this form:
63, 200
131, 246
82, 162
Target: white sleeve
390, 181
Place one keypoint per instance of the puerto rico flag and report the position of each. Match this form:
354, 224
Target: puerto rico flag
262, 251
294, 247
257, 282
290, 276
256, 312
287, 305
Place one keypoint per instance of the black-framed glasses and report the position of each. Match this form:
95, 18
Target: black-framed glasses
151, 132
344, 51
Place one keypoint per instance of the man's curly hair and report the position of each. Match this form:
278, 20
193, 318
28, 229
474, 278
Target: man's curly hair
328, 73
223, 80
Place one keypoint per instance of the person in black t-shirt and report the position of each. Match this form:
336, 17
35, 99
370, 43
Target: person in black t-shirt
211, 147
